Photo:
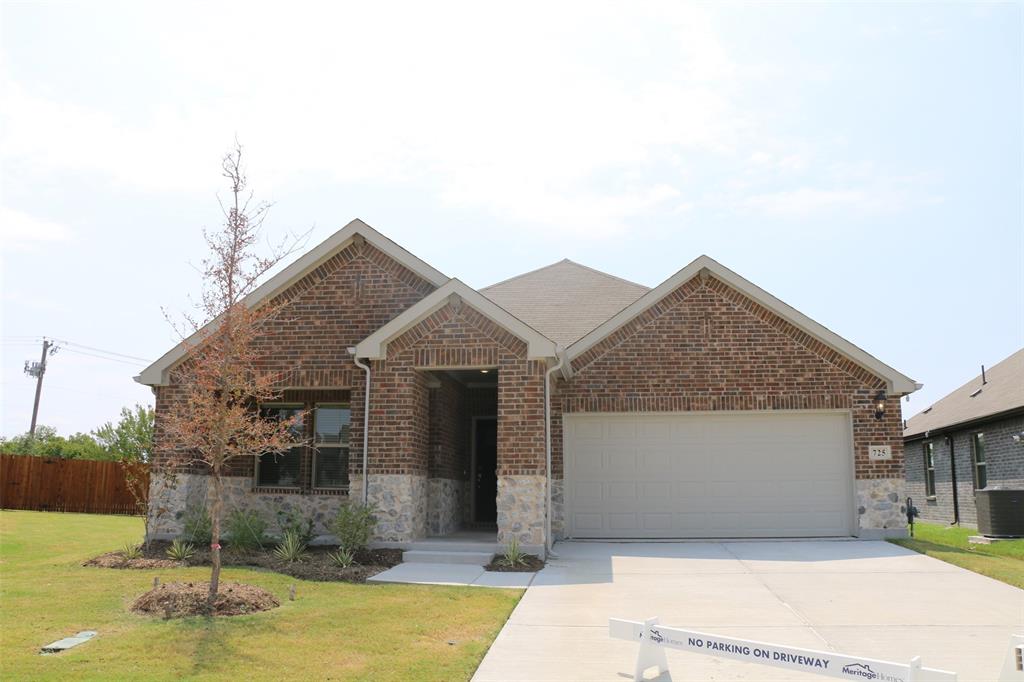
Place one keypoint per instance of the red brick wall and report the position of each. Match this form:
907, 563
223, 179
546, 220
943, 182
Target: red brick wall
340, 303
707, 347
449, 430
455, 336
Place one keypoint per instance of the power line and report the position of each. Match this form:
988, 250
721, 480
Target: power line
135, 363
101, 350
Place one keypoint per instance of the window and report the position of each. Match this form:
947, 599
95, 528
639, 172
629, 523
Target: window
330, 446
281, 469
321, 462
929, 469
978, 459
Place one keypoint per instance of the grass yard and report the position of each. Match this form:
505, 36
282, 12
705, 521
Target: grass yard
332, 631
1002, 560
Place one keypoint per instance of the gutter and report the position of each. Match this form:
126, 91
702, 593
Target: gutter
958, 426
366, 421
560, 354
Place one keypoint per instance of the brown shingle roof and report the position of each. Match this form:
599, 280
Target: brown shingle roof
564, 300
1004, 391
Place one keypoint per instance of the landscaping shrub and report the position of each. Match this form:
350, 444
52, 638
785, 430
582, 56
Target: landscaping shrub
292, 521
343, 558
246, 529
198, 526
291, 548
131, 551
353, 526
181, 550
513, 556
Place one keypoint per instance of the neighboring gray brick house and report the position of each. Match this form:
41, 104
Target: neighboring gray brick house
974, 437
562, 403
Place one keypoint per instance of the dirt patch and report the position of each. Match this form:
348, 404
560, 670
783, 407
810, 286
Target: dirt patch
530, 564
316, 566
117, 560
178, 600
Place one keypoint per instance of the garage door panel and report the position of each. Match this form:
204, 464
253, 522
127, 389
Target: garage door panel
717, 475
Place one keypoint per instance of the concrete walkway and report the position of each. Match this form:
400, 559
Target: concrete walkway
421, 573
871, 599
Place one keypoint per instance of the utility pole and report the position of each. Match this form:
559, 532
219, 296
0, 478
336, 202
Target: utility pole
37, 370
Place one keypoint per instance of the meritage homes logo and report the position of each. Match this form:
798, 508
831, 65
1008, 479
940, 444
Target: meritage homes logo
864, 670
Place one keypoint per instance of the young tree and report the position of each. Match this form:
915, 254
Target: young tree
214, 418
131, 443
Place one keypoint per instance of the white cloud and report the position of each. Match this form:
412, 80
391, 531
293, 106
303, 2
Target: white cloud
23, 232
803, 202
494, 110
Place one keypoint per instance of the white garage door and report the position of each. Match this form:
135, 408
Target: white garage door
783, 474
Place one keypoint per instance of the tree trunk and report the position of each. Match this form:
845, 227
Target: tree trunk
214, 540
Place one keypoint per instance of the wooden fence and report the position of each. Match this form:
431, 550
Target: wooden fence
68, 485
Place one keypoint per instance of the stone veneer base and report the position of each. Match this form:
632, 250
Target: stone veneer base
171, 495
521, 502
445, 502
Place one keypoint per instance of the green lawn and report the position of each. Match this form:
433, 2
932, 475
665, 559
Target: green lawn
332, 631
1002, 560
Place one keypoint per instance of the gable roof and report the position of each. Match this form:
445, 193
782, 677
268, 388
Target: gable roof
374, 346
897, 383
564, 300
156, 373
1004, 391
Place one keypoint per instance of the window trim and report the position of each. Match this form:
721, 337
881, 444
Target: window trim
307, 463
256, 468
928, 452
975, 464
314, 449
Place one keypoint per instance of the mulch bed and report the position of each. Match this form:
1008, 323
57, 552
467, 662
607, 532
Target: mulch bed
177, 600
531, 563
316, 566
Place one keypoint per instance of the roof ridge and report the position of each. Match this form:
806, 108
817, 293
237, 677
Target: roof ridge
605, 274
570, 262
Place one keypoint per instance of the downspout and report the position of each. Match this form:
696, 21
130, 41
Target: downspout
560, 354
366, 421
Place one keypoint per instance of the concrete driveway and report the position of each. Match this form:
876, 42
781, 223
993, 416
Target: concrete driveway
871, 599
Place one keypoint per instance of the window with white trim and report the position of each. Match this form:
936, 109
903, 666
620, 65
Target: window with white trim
978, 461
320, 463
929, 469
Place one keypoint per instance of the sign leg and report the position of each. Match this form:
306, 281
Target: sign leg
651, 652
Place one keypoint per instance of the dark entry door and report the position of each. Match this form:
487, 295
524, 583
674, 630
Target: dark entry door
485, 487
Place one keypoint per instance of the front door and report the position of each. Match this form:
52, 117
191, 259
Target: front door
485, 470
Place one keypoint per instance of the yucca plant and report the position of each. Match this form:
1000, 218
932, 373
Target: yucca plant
291, 548
181, 550
513, 555
343, 558
131, 551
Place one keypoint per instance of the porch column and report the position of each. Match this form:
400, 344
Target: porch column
521, 460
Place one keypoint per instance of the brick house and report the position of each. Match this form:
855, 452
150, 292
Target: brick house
562, 403
970, 439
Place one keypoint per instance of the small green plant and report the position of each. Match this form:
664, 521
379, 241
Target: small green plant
181, 550
343, 558
353, 526
246, 529
292, 521
131, 551
197, 526
291, 548
513, 555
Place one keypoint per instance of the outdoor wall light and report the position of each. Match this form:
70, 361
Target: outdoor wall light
880, 405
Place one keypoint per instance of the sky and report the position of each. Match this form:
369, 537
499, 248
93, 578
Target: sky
862, 162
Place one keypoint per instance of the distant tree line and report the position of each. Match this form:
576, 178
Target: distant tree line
129, 440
